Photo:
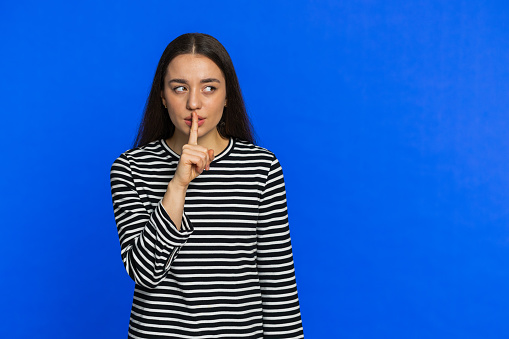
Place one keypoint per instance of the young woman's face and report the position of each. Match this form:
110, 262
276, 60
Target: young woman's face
194, 83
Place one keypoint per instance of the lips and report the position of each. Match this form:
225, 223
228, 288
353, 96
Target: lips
190, 118
189, 121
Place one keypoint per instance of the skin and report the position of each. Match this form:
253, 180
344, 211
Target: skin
194, 89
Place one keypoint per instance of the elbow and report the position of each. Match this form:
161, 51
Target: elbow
143, 280
143, 277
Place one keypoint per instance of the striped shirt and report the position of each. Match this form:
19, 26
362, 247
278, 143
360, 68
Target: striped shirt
228, 272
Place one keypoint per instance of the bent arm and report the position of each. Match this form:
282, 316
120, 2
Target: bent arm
281, 310
149, 242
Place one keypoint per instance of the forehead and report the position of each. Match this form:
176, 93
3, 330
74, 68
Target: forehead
193, 66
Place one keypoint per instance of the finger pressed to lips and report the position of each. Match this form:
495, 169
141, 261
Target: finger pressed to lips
193, 135
198, 155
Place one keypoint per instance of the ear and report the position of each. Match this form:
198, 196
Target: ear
163, 99
225, 101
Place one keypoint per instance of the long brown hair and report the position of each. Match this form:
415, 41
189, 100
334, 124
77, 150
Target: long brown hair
156, 123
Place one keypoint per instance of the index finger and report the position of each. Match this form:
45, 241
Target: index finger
193, 135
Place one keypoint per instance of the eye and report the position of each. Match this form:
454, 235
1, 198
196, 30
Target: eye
209, 89
179, 89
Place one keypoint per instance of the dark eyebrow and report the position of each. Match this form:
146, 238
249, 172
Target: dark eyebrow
209, 80
180, 81
202, 81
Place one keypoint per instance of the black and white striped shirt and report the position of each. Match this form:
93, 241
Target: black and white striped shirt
228, 273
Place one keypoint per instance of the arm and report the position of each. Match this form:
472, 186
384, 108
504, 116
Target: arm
149, 242
281, 310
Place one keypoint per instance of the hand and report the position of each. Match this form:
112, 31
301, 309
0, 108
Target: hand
194, 158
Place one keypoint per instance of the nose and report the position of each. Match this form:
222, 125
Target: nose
193, 100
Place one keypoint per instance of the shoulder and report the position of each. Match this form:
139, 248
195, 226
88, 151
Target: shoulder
153, 149
146, 154
246, 148
256, 156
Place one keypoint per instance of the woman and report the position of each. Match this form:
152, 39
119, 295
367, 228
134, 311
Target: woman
200, 211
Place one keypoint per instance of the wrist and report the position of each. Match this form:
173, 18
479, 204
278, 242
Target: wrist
177, 187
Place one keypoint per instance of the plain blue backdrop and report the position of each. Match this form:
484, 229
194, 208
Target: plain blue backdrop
390, 119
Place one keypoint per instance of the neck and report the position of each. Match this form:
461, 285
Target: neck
212, 140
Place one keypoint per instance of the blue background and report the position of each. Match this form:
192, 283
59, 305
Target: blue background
389, 118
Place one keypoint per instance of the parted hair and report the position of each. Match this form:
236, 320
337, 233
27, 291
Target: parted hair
156, 123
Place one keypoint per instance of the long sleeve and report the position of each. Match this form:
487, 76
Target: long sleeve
281, 310
149, 241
